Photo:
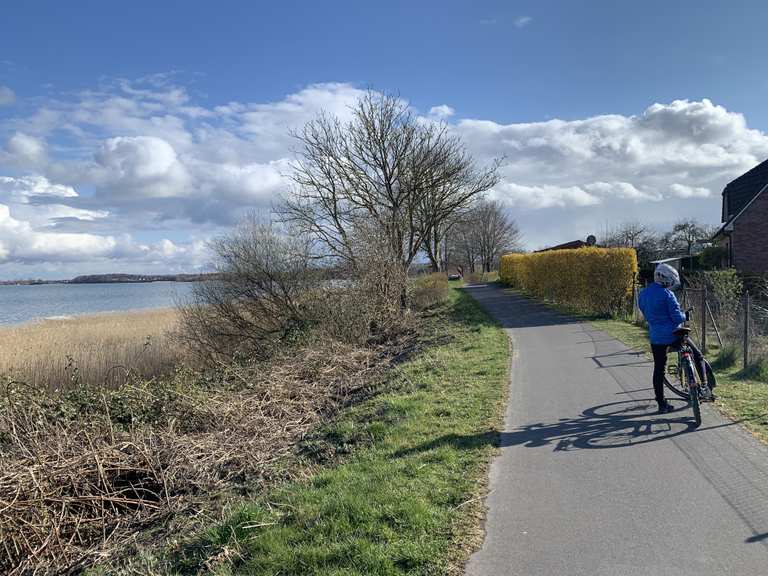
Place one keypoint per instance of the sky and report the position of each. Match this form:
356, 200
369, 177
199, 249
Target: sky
133, 133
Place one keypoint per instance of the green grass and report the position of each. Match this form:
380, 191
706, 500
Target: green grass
399, 478
739, 396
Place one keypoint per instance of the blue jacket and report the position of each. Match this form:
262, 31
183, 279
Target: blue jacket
662, 312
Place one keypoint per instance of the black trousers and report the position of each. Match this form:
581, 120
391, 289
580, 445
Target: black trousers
660, 365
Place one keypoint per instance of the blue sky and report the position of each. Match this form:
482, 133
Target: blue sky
128, 132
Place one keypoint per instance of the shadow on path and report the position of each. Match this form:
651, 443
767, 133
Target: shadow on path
615, 425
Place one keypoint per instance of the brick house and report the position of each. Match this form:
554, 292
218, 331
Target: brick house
744, 233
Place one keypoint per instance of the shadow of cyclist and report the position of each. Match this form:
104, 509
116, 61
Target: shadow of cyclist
616, 425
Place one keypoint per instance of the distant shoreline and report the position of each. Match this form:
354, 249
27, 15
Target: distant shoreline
114, 279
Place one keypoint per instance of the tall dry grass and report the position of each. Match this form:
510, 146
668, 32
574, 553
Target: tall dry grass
102, 349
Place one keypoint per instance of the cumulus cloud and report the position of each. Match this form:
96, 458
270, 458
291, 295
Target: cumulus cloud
668, 162
136, 159
6, 96
24, 150
682, 191
22, 189
20, 242
140, 166
442, 111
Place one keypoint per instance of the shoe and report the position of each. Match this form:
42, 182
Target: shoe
666, 408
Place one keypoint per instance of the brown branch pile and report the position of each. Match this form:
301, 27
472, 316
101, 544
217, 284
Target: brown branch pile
72, 489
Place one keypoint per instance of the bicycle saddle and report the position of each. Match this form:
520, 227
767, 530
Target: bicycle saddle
682, 331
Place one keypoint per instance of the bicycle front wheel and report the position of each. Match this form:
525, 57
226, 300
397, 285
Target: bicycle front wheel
695, 406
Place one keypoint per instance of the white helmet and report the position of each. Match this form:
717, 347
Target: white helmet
666, 276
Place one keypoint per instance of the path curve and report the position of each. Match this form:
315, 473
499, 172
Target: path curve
590, 481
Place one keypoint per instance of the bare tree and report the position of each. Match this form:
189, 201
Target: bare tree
483, 234
463, 243
634, 234
497, 232
385, 169
688, 232
444, 206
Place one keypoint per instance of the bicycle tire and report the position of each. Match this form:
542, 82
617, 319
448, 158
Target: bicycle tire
695, 406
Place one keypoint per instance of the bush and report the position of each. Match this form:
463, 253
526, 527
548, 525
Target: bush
253, 304
429, 291
757, 369
586, 280
727, 357
725, 287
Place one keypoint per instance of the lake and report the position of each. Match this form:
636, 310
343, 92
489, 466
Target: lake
20, 304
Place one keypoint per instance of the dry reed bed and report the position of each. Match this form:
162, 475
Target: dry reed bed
76, 489
96, 349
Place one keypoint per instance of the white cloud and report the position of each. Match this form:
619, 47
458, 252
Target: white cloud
538, 197
622, 190
442, 111
24, 150
670, 161
20, 242
522, 21
21, 189
682, 191
140, 166
134, 157
6, 96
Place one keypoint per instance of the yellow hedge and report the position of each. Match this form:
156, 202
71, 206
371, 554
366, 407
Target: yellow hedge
588, 280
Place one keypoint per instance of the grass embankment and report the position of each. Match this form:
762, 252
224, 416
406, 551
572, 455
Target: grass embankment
400, 476
738, 397
93, 349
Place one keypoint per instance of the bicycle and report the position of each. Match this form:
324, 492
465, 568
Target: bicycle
687, 380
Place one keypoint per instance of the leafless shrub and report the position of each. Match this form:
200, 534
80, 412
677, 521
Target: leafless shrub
255, 300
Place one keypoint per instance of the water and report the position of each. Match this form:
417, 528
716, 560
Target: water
19, 304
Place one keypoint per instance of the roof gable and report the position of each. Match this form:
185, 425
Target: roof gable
741, 191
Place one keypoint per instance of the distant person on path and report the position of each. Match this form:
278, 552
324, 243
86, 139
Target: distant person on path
663, 314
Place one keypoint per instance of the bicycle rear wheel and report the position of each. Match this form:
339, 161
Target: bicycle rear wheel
676, 382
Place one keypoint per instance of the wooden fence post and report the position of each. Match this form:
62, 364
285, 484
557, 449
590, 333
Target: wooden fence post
635, 307
746, 329
704, 320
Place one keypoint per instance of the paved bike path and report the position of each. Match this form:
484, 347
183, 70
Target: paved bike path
590, 481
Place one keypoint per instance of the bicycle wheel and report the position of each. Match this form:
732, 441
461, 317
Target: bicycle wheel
694, 400
675, 381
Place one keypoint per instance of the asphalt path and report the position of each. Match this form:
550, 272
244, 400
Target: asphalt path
591, 481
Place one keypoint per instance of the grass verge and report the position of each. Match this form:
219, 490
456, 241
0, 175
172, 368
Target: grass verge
400, 478
739, 398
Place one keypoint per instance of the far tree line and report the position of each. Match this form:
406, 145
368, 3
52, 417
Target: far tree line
687, 237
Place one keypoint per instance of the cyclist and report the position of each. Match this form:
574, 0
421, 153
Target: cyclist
663, 314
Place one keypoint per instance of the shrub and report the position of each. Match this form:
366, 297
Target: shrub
253, 304
587, 280
757, 369
727, 357
429, 291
